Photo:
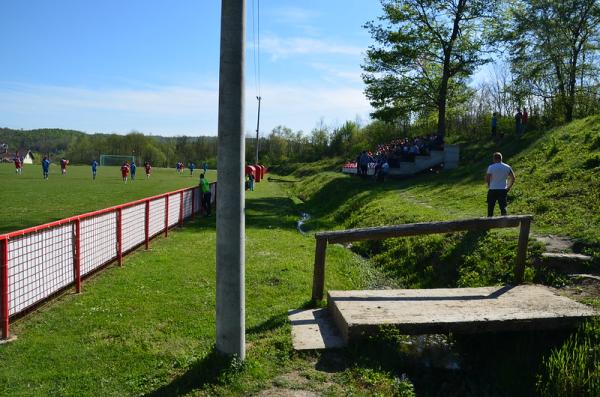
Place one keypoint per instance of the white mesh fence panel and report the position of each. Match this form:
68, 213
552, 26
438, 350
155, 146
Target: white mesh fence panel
197, 199
174, 209
98, 241
187, 204
157, 216
39, 264
133, 224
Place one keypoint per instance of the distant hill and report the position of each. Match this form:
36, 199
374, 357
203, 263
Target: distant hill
44, 140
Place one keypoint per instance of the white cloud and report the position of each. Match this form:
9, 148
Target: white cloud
294, 15
301, 107
336, 72
300, 19
279, 47
173, 110
168, 100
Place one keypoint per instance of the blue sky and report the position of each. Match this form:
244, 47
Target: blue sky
152, 66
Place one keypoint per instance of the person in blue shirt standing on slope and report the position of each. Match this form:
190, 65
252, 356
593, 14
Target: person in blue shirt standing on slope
94, 166
45, 167
133, 167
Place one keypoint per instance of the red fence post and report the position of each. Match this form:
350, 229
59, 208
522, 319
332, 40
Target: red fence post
77, 256
166, 215
120, 236
4, 288
147, 224
181, 208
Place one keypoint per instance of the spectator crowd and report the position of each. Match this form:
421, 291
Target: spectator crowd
396, 151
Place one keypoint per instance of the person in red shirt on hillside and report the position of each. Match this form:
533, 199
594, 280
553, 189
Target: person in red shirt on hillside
148, 169
125, 171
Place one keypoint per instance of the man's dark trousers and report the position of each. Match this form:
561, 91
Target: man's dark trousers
494, 195
206, 202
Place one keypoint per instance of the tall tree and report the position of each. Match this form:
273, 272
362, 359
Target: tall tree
548, 42
425, 50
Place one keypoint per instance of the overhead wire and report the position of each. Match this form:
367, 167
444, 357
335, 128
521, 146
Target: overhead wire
256, 59
256, 46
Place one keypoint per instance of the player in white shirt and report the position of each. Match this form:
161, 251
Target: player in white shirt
500, 178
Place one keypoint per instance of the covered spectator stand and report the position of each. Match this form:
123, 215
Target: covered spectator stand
259, 174
251, 170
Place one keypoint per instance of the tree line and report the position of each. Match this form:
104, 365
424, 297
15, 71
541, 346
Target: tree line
426, 51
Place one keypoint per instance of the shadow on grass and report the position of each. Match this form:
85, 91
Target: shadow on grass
276, 321
271, 179
339, 191
270, 212
491, 364
261, 213
205, 371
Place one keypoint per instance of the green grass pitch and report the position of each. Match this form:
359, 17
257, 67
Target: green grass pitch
29, 200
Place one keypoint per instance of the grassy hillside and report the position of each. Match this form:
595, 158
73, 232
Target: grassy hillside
558, 181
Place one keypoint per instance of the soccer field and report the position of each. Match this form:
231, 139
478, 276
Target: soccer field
29, 200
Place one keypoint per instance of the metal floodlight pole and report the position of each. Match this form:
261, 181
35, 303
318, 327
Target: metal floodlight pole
257, 128
230, 315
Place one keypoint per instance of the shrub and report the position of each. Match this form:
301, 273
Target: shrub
592, 162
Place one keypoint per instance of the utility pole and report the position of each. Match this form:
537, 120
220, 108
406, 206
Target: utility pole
231, 305
257, 127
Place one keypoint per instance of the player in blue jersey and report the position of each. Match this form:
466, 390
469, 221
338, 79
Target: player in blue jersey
133, 169
94, 166
45, 167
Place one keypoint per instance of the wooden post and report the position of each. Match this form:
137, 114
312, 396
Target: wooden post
522, 250
77, 255
4, 312
319, 270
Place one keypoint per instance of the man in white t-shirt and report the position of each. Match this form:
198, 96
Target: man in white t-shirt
500, 179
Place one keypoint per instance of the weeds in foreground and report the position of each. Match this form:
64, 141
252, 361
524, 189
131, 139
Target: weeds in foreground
573, 369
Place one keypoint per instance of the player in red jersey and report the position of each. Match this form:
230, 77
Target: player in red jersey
18, 165
148, 169
63, 166
125, 171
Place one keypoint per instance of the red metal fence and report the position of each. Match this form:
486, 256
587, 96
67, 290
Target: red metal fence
41, 261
